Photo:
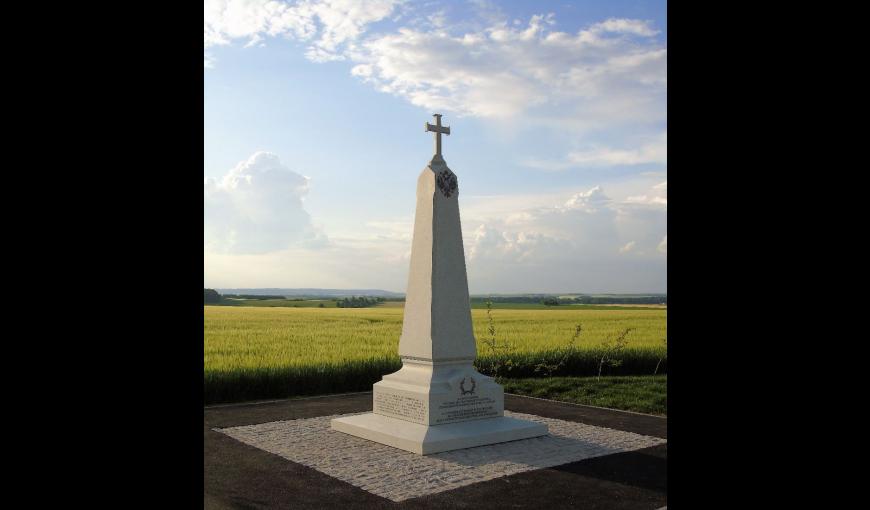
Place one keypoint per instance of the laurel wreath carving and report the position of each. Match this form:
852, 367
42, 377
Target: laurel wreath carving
447, 183
462, 386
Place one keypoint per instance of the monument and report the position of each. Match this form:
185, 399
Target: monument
437, 401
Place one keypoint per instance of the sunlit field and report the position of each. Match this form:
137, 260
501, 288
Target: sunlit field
273, 352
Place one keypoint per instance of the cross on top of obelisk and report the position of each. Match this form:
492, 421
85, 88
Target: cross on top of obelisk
438, 129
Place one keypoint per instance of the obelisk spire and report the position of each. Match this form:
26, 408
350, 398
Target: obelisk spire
437, 324
438, 129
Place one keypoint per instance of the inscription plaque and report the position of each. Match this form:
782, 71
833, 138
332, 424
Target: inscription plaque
400, 406
467, 408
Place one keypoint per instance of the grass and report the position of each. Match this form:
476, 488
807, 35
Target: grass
331, 303
541, 306
275, 352
642, 394
286, 303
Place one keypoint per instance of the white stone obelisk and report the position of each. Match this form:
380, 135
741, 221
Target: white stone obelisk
437, 401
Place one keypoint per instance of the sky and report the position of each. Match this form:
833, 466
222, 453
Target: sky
314, 139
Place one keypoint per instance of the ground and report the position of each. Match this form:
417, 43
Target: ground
642, 394
240, 476
264, 353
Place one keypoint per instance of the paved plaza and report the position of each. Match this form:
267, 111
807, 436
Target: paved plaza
283, 454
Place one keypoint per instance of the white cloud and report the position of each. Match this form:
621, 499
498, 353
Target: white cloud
626, 26
491, 244
650, 152
376, 258
605, 78
569, 246
657, 196
608, 79
611, 73
257, 207
329, 26
610, 157
225, 20
645, 199
437, 19
588, 200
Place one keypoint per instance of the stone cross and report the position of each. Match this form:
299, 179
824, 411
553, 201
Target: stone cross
438, 129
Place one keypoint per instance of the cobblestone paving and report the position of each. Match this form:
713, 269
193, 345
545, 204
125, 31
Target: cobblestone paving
399, 475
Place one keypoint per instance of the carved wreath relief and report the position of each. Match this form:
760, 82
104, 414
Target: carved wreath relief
447, 183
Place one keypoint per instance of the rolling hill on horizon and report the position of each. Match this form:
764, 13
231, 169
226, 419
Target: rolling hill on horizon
341, 293
313, 292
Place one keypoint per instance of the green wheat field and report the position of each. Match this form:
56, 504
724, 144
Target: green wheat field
276, 352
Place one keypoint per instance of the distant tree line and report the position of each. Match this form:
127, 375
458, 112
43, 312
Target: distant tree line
212, 296
616, 300
255, 296
576, 300
508, 299
358, 302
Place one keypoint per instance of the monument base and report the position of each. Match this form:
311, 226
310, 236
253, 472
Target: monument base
423, 439
437, 393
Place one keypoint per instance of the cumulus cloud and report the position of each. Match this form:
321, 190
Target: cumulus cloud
646, 199
612, 72
605, 77
491, 244
541, 242
257, 207
590, 200
604, 84
329, 26
570, 246
656, 196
